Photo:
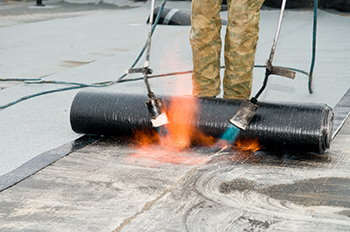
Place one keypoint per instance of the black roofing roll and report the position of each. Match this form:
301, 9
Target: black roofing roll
341, 5
175, 17
281, 126
290, 4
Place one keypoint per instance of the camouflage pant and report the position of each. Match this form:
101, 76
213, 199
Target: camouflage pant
240, 45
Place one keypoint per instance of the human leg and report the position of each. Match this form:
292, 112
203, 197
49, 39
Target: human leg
206, 47
241, 38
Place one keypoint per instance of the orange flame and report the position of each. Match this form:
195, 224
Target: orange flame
182, 114
146, 137
251, 145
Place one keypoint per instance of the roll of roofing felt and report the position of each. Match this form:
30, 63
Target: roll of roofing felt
290, 4
175, 17
281, 126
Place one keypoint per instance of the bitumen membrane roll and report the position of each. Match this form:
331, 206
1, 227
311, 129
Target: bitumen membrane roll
305, 127
175, 17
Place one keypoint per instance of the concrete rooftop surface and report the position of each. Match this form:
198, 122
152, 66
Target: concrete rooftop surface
53, 179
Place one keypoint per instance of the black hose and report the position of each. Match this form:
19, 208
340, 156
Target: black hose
278, 126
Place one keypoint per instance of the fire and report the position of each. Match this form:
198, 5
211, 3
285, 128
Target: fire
146, 137
182, 113
171, 148
251, 145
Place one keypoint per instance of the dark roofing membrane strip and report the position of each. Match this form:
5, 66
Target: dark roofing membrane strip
341, 113
43, 160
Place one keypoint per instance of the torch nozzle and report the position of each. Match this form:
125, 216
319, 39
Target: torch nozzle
244, 114
156, 112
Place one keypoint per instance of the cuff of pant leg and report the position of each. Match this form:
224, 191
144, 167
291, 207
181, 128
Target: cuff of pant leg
205, 93
240, 97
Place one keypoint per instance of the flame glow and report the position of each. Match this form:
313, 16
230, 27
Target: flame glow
251, 145
182, 113
171, 148
183, 134
152, 153
182, 131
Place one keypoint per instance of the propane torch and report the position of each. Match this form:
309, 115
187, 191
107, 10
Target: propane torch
154, 105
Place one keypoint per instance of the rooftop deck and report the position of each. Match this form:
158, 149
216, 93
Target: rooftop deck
53, 179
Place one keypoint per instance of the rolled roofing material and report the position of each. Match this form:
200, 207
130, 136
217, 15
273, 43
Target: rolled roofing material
290, 4
282, 126
341, 5
175, 17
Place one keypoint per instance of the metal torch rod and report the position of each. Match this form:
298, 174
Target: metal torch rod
270, 69
273, 49
146, 65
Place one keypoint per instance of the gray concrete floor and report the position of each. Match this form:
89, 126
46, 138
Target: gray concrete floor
111, 185
103, 186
